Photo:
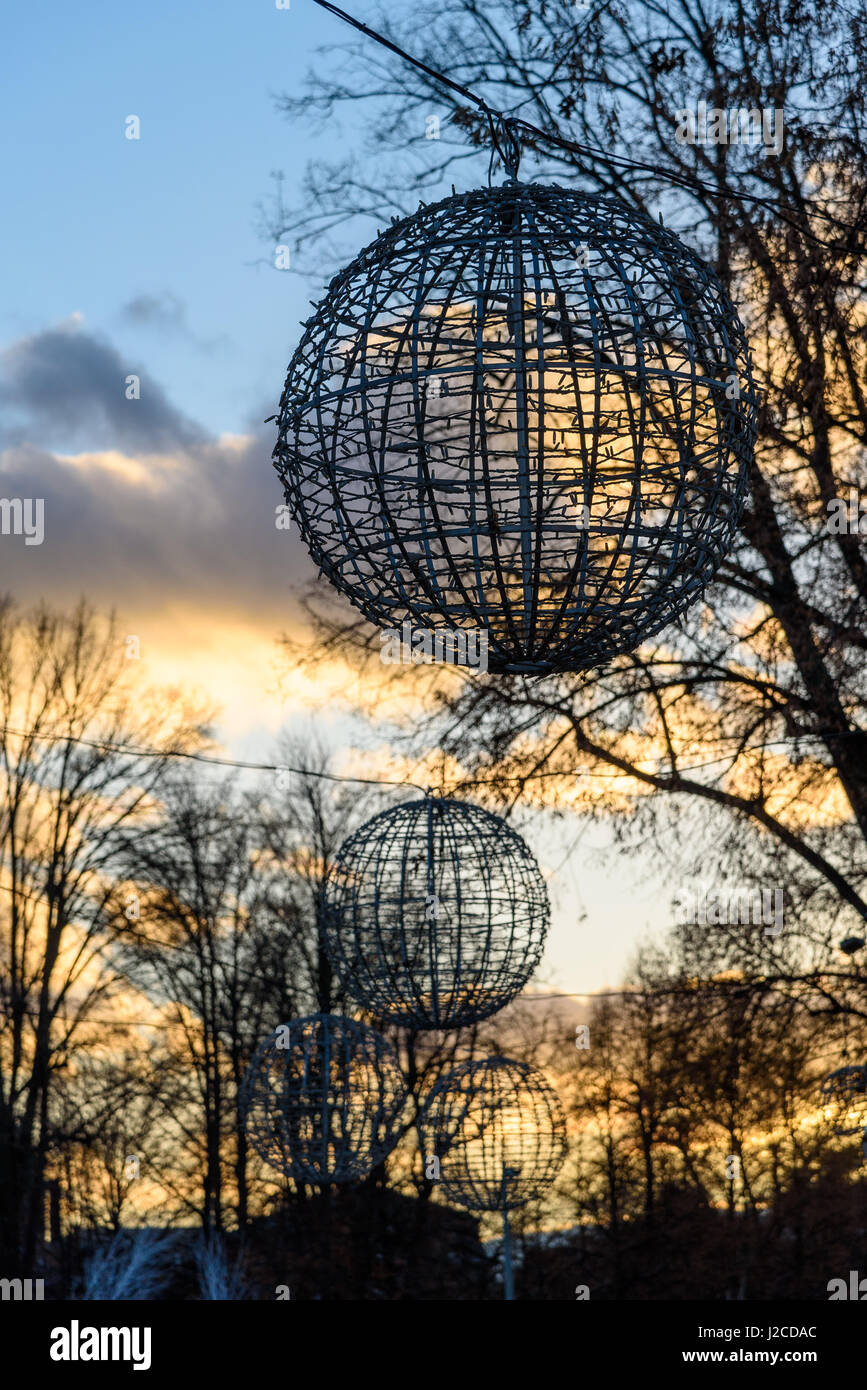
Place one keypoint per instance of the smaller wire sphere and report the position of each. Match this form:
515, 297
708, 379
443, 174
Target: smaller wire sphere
844, 1100
323, 1098
435, 914
499, 1132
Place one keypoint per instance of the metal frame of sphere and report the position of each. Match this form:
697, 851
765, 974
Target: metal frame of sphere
526, 411
843, 1095
435, 914
323, 1098
498, 1130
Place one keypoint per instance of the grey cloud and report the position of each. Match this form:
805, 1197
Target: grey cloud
65, 387
206, 536
199, 531
164, 311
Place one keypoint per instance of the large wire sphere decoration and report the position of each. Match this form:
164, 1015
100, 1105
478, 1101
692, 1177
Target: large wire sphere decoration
843, 1098
323, 1099
526, 411
498, 1130
434, 914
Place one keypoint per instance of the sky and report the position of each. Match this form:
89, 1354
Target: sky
144, 258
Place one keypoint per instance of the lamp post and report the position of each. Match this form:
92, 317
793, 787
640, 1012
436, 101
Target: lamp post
508, 1272
501, 1134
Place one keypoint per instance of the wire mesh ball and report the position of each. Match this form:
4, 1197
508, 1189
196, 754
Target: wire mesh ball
498, 1130
525, 411
435, 914
323, 1099
843, 1096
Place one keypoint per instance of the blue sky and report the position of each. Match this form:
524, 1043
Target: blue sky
98, 220
143, 256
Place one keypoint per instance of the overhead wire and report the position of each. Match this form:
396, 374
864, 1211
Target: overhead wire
133, 751
512, 124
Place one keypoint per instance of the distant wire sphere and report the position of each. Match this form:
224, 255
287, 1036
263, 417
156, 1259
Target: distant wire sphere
498, 1130
523, 411
435, 914
323, 1098
843, 1096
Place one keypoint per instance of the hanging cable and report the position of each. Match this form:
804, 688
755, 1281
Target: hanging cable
407, 57
131, 751
497, 120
